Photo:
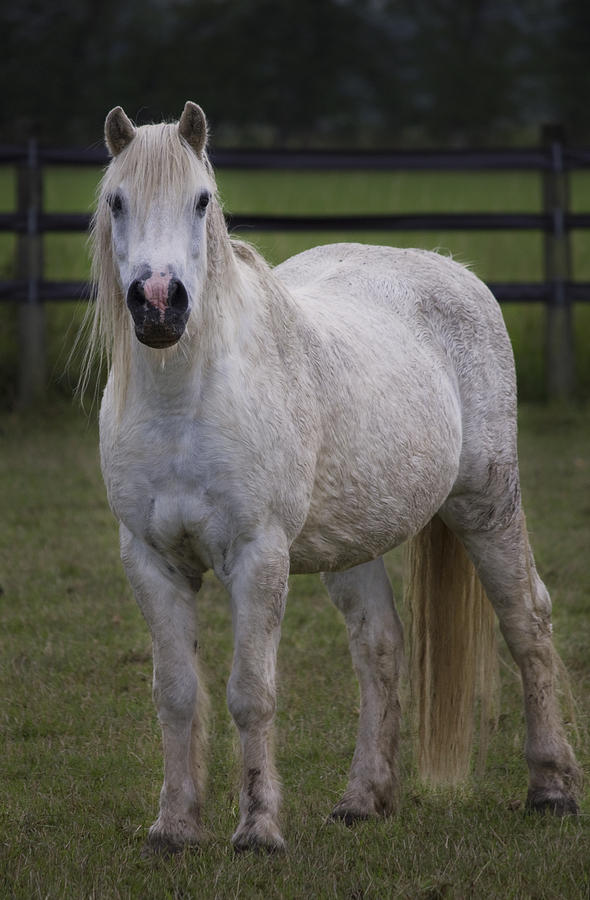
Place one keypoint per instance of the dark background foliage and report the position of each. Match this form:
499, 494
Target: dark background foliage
299, 72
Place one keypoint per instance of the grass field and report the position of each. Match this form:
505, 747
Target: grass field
495, 256
80, 749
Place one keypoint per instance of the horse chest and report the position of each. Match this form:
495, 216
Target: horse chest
162, 487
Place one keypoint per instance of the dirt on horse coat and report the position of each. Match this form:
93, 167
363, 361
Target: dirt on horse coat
309, 418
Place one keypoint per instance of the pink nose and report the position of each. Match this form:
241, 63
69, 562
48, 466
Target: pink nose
156, 289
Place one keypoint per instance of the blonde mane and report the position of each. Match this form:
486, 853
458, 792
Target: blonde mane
158, 163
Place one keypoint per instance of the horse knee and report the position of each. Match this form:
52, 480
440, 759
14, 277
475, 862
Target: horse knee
250, 701
175, 694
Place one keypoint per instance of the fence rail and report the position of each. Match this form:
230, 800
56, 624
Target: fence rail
18, 222
553, 160
554, 153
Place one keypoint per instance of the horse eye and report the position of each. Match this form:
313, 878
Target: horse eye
203, 202
115, 202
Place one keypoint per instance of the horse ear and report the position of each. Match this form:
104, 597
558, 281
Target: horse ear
118, 131
193, 126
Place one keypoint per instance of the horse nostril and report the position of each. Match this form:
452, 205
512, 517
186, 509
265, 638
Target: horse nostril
136, 295
177, 295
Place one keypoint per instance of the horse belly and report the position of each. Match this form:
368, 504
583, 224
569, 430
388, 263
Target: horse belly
390, 462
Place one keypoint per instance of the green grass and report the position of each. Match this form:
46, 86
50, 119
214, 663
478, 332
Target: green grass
494, 256
80, 756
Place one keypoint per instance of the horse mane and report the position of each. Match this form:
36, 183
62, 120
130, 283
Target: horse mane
157, 163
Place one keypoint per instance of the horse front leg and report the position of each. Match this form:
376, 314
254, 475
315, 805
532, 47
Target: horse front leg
168, 605
258, 587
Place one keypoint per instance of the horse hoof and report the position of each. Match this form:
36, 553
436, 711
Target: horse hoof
160, 845
348, 816
163, 841
254, 845
542, 800
259, 841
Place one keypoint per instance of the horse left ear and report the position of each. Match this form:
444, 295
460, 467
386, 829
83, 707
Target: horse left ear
193, 126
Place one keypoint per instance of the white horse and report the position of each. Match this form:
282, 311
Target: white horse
309, 418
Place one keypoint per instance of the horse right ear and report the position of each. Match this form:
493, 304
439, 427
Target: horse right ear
118, 131
193, 126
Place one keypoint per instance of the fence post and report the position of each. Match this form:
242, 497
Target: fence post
30, 270
559, 329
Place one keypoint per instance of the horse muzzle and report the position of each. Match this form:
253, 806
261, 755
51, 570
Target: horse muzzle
159, 308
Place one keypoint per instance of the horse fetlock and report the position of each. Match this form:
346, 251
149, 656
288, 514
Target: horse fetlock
367, 800
258, 832
557, 768
555, 785
169, 834
551, 800
259, 807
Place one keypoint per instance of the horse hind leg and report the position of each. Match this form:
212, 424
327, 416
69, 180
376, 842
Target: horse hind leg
504, 561
364, 596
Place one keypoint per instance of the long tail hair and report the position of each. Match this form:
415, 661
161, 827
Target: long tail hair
453, 659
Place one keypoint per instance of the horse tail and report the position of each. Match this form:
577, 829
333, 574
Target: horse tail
453, 658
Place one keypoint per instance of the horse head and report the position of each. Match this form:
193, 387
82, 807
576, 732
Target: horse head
155, 201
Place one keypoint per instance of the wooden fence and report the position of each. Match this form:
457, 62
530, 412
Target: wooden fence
553, 160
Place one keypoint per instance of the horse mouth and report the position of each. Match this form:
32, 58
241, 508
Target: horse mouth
157, 343
157, 330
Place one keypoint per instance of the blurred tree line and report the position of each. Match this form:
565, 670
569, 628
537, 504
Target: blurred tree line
299, 72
